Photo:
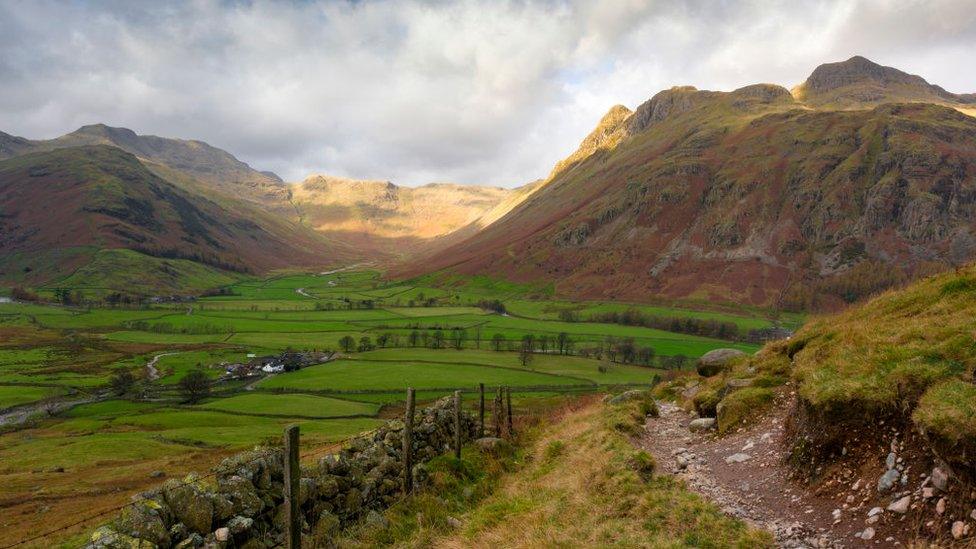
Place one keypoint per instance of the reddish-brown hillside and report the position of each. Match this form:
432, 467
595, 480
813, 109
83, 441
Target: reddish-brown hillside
97, 197
746, 196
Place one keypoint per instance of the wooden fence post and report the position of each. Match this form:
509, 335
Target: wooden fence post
497, 412
457, 424
481, 411
508, 393
293, 475
408, 442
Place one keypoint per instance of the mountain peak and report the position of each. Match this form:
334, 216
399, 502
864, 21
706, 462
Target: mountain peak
861, 83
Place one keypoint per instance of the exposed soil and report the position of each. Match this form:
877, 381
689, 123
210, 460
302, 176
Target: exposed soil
759, 489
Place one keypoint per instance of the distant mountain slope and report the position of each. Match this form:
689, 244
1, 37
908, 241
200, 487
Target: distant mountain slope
745, 196
385, 220
196, 159
58, 208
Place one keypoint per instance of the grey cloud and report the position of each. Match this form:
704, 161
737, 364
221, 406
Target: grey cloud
479, 92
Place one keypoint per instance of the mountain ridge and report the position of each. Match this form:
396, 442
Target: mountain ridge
745, 196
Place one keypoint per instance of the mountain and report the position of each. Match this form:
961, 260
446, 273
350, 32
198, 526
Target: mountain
196, 159
859, 83
747, 196
60, 208
389, 218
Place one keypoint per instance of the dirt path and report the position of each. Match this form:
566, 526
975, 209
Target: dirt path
302, 292
151, 371
20, 414
754, 485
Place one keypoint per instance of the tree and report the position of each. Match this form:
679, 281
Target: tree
646, 356
525, 354
365, 344
561, 341
528, 342
611, 348
383, 340
438, 339
195, 386
457, 338
122, 382
414, 338
425, 337
347, 343
544, 344
497, 341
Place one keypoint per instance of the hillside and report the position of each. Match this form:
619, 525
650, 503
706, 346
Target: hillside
59, 208
872, 411
387, 218
196, 159
746, 196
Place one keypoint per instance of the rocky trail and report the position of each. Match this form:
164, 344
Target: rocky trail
745, 474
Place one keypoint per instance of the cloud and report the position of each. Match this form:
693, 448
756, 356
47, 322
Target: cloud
490, 92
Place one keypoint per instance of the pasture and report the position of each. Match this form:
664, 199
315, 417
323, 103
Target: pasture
435, 335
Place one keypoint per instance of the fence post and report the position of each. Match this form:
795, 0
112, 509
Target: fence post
497, 412
508, 393
457, 424
293, 475
408, 443
481, 411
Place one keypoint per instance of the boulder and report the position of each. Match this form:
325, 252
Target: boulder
493, 446
701, 424
713, 362
191, 505
627, 396
738, 383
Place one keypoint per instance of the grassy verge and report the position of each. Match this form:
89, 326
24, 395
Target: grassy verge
575, 480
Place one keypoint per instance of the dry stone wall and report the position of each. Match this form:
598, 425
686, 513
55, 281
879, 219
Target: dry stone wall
241, 503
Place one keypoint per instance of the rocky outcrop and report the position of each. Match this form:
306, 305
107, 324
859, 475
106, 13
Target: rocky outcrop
242, 503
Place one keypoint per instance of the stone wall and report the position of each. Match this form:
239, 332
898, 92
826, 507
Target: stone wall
241, 503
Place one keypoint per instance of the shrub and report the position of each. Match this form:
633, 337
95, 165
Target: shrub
705, 402
644, 464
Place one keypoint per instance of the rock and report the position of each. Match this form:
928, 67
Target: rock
627, 396
875, 511
868, 533
494, 446
856, 486
888, 480
701, 424
891, 460
681, 462
940, 506
900, 506
940, 479
239, 525
958, 529
157, 474
738, 383
222, 534
453, 522
377, 520
713, 362
835, 514
738, 458
872, 520
928, 492
972, 514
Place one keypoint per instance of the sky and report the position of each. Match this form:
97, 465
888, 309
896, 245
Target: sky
490, 92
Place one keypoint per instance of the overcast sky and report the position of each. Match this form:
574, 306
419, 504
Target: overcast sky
486, 92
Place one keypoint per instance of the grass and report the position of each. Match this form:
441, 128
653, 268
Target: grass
369, 375
292, 405
15, 395
576, 482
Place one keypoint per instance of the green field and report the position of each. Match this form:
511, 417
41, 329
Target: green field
436, 338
